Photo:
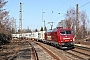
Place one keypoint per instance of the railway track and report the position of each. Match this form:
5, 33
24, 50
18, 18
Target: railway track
28, 50
78, 53
75, 55
50, 52
82, 53
57, 54
83, 48
34, 51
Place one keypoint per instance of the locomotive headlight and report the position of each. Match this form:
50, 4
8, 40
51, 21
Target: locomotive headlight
61, 40
70, 40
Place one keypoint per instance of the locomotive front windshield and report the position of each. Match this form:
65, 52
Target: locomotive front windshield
65, 32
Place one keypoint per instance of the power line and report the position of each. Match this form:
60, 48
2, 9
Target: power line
63, 4
51, 13
59, 7
79, 7
84, 4
60, 17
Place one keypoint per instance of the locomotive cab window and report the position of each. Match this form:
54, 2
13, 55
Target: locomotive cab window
68, 32
65, 32
62, 32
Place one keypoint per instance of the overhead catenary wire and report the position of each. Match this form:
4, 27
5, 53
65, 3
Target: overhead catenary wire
53, 12
61, 17
63, 4
79, 7
84, 4
59, 7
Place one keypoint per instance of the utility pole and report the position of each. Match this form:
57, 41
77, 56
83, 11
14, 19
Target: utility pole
77, 22
20, 20
51, 23
44, 25
43, 20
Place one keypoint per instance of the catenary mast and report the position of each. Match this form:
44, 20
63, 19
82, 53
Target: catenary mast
20, 20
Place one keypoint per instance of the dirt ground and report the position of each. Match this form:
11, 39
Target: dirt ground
9, 50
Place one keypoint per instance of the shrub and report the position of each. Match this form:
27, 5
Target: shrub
4, 38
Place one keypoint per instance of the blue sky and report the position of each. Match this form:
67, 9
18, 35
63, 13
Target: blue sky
32, 11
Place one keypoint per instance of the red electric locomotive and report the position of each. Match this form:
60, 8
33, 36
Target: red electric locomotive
61, 37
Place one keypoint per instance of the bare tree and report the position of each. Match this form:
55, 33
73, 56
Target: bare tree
61, 23
3, 13
70, 22
7, 24
83, 23
70, 18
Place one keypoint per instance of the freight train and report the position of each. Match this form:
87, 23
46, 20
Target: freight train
60, 37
